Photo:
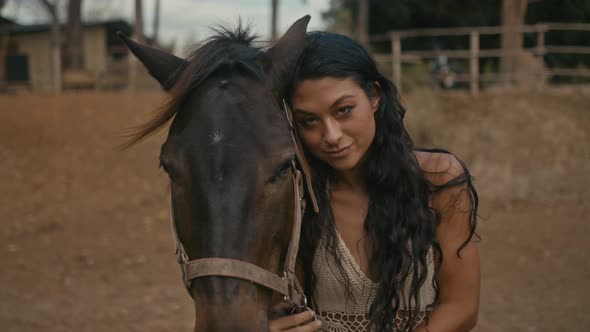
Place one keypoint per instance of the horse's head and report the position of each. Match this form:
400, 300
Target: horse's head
228, 155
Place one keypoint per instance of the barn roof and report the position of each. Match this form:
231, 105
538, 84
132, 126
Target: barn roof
114, 25
4, 21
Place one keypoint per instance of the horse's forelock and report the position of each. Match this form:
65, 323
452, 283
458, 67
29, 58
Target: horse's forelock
242, 34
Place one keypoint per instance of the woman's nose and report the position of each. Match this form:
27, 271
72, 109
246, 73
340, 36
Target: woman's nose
332, 132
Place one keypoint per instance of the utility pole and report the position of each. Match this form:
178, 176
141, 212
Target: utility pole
156, 21
138, 26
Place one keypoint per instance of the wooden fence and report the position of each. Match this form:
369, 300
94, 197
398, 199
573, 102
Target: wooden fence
474, 53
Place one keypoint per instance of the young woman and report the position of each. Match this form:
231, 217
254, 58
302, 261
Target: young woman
392, 248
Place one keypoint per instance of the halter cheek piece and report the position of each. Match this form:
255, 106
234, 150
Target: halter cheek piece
287, 283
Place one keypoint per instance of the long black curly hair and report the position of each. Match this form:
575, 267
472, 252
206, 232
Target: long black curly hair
400, 223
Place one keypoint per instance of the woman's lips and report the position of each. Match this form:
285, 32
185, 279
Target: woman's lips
339, 152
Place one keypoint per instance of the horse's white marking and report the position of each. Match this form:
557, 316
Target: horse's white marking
216, 137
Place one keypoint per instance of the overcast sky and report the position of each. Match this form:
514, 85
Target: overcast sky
184, 20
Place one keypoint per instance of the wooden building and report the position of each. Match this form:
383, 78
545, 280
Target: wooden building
25, 56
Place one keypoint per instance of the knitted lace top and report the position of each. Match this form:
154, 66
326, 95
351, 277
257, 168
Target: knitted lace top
341, 315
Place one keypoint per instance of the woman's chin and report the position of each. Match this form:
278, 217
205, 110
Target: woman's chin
342, 165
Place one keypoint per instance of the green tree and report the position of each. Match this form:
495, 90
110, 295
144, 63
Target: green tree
562, 11
387, 15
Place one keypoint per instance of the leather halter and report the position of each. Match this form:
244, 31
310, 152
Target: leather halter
287, 283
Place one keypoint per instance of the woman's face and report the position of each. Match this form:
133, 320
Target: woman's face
335, 119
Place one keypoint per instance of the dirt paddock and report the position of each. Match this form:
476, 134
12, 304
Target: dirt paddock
85, 243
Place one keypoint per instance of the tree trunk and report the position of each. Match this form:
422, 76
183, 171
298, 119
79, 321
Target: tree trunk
513, 14
363, 22
138, 34
274, 20
74, 57
55, 45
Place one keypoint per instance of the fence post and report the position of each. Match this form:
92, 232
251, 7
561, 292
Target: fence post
541, 29
474, 63
396, 53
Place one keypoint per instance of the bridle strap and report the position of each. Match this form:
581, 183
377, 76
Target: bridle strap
298, 207
301, 157
232, 268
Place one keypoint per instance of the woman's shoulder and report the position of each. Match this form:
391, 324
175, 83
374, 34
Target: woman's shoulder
452, 189
440, 167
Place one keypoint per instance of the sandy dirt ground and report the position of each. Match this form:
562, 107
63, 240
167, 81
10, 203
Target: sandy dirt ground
85, 243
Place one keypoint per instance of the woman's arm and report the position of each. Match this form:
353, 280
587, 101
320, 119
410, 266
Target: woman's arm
459, 276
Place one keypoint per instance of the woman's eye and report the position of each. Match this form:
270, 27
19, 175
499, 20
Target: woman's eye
345, 109
308, 122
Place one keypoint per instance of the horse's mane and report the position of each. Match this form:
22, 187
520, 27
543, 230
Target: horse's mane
225, 51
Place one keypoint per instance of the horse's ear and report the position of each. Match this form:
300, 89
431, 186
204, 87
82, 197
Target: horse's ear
284, 54
163, 66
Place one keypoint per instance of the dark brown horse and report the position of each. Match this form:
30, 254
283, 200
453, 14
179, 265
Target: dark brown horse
228, 154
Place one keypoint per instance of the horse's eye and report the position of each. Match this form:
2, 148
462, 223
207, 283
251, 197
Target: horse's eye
168, 170
285, 167
282, 171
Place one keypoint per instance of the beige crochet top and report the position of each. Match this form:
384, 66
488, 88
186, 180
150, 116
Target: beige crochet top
340, 315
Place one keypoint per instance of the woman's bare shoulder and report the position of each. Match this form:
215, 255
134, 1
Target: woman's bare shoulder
439, 167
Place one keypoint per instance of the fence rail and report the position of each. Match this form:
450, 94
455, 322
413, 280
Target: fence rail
474, 53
